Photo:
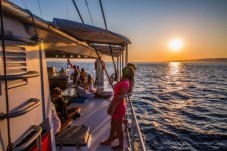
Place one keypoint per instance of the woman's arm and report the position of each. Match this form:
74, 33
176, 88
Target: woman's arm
120, 96
131, 88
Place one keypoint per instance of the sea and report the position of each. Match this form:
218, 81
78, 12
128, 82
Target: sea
179, 106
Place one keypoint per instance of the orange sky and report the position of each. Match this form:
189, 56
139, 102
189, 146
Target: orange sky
151, 24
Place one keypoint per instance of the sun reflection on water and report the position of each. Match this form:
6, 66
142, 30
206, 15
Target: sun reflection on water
174, 68
173, 87
174, 77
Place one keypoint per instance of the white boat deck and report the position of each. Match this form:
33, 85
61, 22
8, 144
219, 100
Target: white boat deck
94, 114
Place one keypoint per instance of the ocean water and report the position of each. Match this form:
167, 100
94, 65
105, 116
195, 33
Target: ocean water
180, 106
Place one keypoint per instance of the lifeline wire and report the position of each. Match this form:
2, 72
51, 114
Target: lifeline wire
78, 11
40, 9
89, 12
103, 15
94, 46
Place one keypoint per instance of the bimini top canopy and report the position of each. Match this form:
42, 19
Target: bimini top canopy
90, 33
105, 49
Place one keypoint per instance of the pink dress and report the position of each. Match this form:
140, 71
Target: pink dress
120, 111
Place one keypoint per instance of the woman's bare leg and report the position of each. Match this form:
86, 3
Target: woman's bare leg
112, 133
120, 135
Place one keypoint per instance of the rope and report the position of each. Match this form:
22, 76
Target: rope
89, 12
24, 2
36, 36
103, 15
10, 144
78, 11
67, 12
113, 63
94, 46
122, 63
40, 9
102, 65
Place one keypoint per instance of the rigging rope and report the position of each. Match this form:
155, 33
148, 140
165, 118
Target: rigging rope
67, 12
116, 76
40, 9
36, 36
103, 15
78, 11
94, 47
24, 2
103, 66
10, 144
89, 12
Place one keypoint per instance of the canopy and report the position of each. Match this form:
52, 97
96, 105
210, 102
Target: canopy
105, 50
90, 34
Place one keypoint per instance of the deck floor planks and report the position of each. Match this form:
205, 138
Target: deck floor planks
93, 114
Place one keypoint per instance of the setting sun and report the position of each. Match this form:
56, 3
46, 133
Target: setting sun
176, 44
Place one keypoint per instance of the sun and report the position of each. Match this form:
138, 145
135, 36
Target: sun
176, 44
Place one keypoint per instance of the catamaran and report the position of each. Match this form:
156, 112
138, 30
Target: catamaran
25, 113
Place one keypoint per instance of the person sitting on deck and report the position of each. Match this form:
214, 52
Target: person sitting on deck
84, 83
59, 104
55, 119
90, 82
90, 95
83, 73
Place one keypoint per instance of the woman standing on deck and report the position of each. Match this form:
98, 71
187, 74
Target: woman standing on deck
75, 74
120, 90
131, 80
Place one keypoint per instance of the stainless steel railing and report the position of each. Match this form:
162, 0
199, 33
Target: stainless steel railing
135, 128
22, 109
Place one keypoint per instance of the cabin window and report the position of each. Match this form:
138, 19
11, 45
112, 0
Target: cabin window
15, 64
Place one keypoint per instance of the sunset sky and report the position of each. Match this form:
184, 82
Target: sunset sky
201, 25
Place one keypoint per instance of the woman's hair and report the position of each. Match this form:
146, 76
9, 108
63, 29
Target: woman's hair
83, 80
78, 82
128, 73
90, 79
132, 65
56, 91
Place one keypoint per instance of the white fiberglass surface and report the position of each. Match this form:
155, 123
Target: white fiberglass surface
93, 114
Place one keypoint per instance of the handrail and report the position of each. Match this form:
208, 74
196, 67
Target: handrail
20, 110
37, 135
19, 39
28, 74
134, 121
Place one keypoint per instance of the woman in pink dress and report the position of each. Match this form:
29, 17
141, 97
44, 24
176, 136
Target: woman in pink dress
120, 90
